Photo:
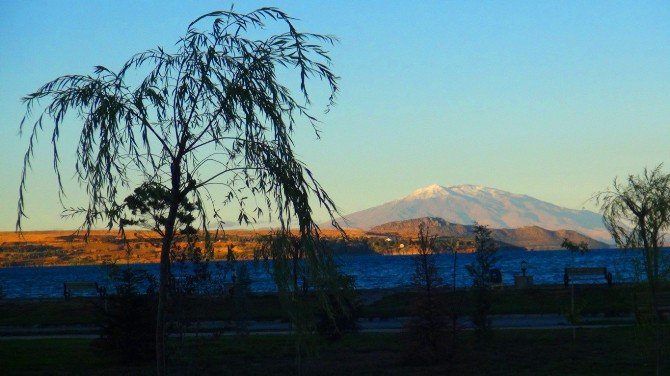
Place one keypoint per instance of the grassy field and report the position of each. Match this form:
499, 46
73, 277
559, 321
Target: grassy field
605, 351
552, 299
611, 351
589, 300
44, 312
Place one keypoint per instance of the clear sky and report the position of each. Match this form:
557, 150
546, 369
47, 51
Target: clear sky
549, 99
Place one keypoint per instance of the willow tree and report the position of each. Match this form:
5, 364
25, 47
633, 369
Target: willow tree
210, 118
637, 214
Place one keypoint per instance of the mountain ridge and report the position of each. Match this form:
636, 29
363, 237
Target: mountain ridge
528, 237
467, 203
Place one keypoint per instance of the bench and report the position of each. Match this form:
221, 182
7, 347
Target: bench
663, 302
70, 287
495, 278
570, 273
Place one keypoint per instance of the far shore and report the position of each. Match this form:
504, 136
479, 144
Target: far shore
103, 247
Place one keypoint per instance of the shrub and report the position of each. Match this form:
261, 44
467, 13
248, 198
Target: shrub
427, 326
128, 318
239, 294
340, 313
480, 271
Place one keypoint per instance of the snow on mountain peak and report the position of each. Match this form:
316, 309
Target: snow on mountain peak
469, 188
432, 190
436, 190
497, 208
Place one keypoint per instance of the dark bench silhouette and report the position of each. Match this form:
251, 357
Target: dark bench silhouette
571, 273
663, 302
71, 287
495, 278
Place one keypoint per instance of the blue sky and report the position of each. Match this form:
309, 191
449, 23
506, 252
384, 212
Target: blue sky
549, 99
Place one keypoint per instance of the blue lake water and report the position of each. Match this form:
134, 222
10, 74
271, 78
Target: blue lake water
370, 271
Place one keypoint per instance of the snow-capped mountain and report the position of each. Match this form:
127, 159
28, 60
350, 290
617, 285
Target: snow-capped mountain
465, 204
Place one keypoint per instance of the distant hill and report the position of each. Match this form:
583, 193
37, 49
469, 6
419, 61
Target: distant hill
529, 237
410, 228
49, 248
464, 204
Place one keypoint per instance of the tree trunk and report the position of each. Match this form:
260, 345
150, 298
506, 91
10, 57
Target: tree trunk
165, 272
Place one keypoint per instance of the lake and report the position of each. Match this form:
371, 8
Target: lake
370, 271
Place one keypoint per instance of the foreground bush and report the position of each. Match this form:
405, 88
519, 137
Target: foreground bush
427, 329
342, 317
128, 317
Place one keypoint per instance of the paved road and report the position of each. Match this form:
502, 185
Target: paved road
277, 327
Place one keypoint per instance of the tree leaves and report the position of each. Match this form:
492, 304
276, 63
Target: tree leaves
637, 214
214, 106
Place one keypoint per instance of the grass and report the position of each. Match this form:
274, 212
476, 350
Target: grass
50, 356
610, 351
46, 312
38, 312
553, 299
589, 300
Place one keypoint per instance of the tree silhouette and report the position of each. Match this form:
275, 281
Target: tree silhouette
213, 115
480, 271
637, 214
427, 326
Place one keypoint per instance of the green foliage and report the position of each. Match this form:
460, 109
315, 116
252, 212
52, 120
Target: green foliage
211, 113
149, 205
427, 326
340, 313
637, 214
240, 304
196, 275
148, 208
128, 317
485, 257
230, 257
211, 120
480, 271
582, 247
192, 276
426, 277
302, 266
239, 292
380, 245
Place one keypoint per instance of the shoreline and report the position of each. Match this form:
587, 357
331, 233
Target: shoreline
245, 257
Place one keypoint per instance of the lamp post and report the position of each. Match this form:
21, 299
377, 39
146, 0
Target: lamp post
523, 280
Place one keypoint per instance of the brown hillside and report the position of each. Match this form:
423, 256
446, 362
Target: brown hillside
534, 237
45, 248
529, 237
